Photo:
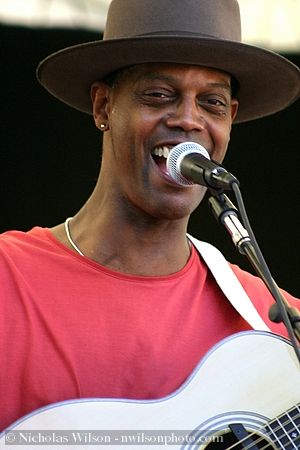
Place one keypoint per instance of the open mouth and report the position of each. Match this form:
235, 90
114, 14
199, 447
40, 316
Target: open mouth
159, 155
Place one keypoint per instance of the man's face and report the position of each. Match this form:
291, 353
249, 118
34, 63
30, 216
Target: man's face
151, 109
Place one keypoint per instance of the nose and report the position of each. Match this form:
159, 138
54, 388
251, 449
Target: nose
187, 116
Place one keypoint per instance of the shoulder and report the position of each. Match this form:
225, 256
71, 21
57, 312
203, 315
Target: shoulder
255, 286
251, 284
15, 241
261, 297
24, 248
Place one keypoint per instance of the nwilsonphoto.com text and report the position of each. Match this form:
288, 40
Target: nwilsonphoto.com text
110, 437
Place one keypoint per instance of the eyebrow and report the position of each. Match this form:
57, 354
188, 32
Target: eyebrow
221, 85
153, 76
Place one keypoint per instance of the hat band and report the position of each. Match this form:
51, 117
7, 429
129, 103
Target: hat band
171, 33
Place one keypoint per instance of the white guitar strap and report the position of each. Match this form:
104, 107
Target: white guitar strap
229, 283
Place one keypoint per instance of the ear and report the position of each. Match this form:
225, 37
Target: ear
100, 94
234, 108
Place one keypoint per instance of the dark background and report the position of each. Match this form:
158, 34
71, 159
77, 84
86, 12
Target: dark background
50, 158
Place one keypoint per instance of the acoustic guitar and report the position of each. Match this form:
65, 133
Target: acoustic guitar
244, 394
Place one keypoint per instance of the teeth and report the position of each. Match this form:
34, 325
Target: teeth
161, 151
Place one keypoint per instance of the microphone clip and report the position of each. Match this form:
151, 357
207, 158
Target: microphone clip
227, 214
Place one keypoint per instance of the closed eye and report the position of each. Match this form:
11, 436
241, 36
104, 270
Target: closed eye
158, 94
215, 104
155, 97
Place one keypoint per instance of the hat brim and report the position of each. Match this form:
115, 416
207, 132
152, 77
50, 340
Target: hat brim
268, 82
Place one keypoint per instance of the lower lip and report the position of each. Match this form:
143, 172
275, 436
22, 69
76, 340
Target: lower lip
167, 177
170, 180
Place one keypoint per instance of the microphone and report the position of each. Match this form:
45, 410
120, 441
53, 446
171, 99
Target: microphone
189, 163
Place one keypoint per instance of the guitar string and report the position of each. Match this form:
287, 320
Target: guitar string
260, 439
257, 441
285, 434
291, 441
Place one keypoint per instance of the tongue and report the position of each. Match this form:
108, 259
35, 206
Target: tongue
161, 162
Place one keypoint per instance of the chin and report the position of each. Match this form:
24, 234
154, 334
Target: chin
179, 210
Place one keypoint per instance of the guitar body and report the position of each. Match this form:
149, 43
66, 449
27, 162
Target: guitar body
249, 378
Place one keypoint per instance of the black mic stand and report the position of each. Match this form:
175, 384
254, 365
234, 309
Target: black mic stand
227, 214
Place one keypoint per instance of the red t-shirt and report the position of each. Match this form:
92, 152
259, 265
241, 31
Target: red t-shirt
71, 328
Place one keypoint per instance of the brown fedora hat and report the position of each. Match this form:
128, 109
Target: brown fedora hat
198, 32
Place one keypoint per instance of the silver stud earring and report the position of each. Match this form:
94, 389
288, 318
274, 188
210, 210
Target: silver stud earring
102, 126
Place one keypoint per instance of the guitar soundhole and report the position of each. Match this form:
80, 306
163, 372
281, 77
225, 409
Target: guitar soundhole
228, 440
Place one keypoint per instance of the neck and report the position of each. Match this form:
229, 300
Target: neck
139, 246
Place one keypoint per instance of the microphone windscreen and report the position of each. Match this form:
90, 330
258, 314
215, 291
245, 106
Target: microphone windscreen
175, 157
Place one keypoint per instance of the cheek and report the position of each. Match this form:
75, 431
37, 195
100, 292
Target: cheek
127, 124
121, 138
126, 139
221, 138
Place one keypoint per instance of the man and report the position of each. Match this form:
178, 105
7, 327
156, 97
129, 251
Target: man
111, 303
